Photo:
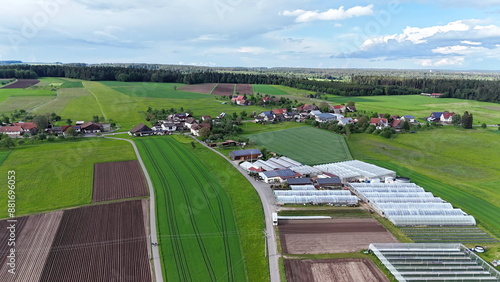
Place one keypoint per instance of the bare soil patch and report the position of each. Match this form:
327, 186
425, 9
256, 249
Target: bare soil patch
243, 89
338, 270
34, 235
22, 83
204, 88
118, 180
224, 89
331, 235
100, 243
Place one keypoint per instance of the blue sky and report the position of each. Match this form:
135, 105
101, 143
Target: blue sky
424, 34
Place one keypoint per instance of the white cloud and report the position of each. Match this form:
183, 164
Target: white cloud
453, 61
251, 50
330, 15
470, 42
457, 49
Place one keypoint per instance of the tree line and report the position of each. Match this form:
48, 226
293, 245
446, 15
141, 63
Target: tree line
470, 89
359, 85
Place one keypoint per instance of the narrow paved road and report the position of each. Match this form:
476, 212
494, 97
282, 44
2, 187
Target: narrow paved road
152, 216
269, 205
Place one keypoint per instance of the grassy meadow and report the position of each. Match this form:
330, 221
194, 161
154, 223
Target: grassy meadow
55, 175
421, 106
305, 144
153, 90
198, 236
461, 166
272, 90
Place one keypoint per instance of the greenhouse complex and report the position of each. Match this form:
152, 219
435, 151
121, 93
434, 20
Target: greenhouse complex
408, 204
334, 197
434, 262
350, 171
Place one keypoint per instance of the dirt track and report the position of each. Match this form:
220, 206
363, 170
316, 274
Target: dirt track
338, 270
331, 235
118, 180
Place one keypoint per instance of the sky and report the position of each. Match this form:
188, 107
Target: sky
395, 34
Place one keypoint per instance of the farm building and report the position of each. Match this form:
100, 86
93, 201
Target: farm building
299, 181
11, 131
355, 170
249, 154
408, 204
140, 130
91, 127
333, 182
433, 262
27, 127
336, 197
275, 176
249, 167
263, 165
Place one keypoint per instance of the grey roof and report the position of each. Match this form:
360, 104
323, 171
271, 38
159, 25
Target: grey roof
240, 153
326, 181
298, 181
284, 173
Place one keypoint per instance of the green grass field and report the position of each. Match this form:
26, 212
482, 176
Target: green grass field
198, 236
56, 175
60, 82
152, 90
246, 207
73, 103
422, 106
17, 103
461, 166
268, 89
254, 128
305, 144
4, 155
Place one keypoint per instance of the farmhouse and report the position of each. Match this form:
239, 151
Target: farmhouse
240, 100
408, 118
11, 131
59, 129
446, 117
307, 108
345, 121
249, 154
326, 117
379, 122
27, 127
140, 130
195, 128
275, 176
91, 127
338, 109
436, 95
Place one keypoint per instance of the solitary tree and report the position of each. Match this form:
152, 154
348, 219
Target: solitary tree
467, 120
483, 126
8, 143
69, 121
41, 121
406, 126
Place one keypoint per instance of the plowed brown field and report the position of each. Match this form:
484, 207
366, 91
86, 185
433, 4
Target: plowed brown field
243, 89
338, 270
204, 88
118, 180
34, 236
224, 89
100, 243
22, 83
327, 236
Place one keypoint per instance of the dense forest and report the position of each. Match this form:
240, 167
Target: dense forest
358, 85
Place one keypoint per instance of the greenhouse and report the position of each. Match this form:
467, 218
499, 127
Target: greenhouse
433, 262
302, 187
356, 170
312, 193
335, 200
408, 204
306, 170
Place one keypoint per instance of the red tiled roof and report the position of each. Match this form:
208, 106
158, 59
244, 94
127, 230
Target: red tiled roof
26, 125
279, 111
378, 120
338, 107
396, 122
10, 129
447, 115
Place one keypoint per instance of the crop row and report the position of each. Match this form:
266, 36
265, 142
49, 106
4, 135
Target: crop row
198, 236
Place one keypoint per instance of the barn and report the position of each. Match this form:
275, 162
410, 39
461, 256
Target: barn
140, 130
242, 155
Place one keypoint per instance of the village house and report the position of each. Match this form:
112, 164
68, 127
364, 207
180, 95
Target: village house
91, 127
307, 108
408, 118
338, 109
345, 121
195, 128
446, 118
11, 130
141, 130
27, 127
379, 122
